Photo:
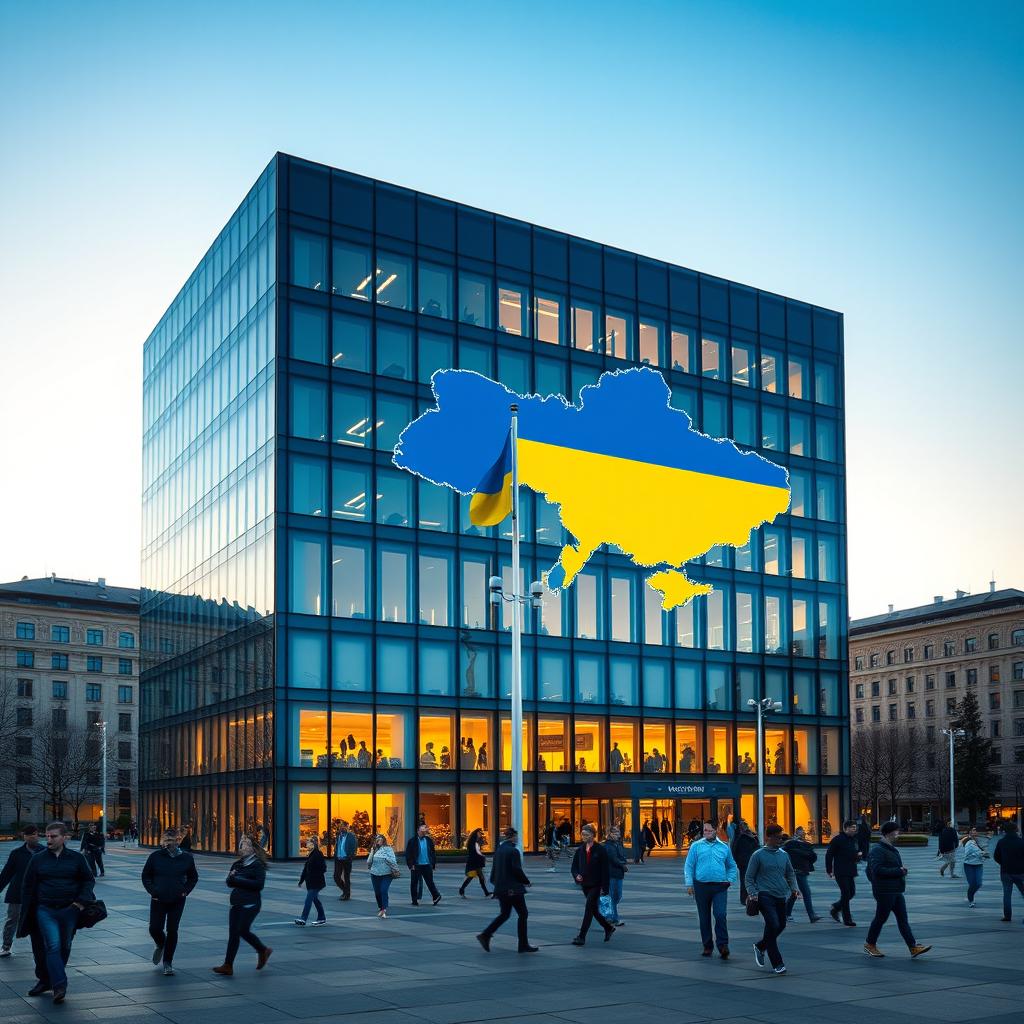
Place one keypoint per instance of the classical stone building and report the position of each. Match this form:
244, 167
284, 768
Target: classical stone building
912, 667
69, 660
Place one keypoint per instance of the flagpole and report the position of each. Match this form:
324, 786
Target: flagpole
517, 647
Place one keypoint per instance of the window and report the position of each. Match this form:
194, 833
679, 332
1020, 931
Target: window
585, 320
25, 631
712, 351
23, 718
908, 655
911, 709
875, 687
890, 657
948, 648
682, 350
124, 722
351, 275
126, 641
393, 283
93, 692
25, 659
435, 297
513, 310
1018, 670
929, 709
1017, 638
124, 776
929, 733
124, 695
995, 701
860, 715
124, 666
94, 637
93, 664
875, 660
650, 343
308, 334
876, 714
475, 300
309, 261
60, 634
950, 680
60, 689
59, 718
798, 378
997, 752
993, 674
929, 682
970, 645
434, 574
1018, 699
23, 746
951, 705
59, 662
892, 712
349, 581
858, 662
993, 641
124, 750
23, 775
549, 319
930, 759
742, 365
972, 677
771, 368
93, 718
618, 335
892, 687
24, 687
859, 691
908, 684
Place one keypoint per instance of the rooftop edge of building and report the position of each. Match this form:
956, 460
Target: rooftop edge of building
58, 588
940, 608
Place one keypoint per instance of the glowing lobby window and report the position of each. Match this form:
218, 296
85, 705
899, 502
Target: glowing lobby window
625, 744
622, 608
771, 368
689, 757
719, 749
588, 746
776, 751
776, 809
549, 323
437, 742
657, 749
351, 275
393, 740
805, 754
682, 350
711, 351
618, 335
351, 739
829, 739
477, 812
746, 751
742, 365
349, 582
476, 743
830, 817
513, 304
552, 743
475, 300
433, 586
350, 492
391, 819
585, 319
393, 283
435, 298
650, 343
506, 743
312, 739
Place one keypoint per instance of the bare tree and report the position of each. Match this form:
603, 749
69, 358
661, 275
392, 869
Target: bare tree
866, 768
8, 738
898, 762
50, 753
85, 757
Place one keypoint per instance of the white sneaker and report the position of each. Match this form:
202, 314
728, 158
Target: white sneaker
300, 922
318, 924
168, 971
552, 870
6, 951
758, 956
970, 905
781, 969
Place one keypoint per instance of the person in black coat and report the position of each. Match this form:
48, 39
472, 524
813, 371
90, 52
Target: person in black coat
168, 875
1009, 855
744, 843
314, 874
949, 840
475, 862
93, 845
802, 857
841, 859
58, 883
12, 877
246, 879
421, 859
863, 838
590, 871
888, 879
509, 883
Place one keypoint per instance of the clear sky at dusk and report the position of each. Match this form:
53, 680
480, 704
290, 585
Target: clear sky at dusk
866, 157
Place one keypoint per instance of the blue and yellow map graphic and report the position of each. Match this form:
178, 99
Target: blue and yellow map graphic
623, 467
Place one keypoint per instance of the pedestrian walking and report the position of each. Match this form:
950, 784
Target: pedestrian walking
168, 875
590, 872
617, 868
708, 871
772, 885
841, 859
948, 842
58, 883
743, 845
344, 852
974, 864
802, 856
246, 879
12, 878
93, 846
421, 859
552, 847
185, 840
383, 867
649, 841
475, 861
665, 830
314, 874
1009, 855
863, 838
888, 879
509, 883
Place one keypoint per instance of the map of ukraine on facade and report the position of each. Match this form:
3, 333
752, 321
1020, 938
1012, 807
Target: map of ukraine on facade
623, 467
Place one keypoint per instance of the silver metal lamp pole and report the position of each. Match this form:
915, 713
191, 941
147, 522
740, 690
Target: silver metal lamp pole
954, 735
516, 816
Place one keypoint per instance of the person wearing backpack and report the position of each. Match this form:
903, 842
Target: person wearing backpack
888, 878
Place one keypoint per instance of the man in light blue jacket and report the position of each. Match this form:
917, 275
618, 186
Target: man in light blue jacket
709, 870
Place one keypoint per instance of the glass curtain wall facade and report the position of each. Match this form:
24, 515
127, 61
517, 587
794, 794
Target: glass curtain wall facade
390, 671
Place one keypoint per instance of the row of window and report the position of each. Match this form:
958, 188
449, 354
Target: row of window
910, 682
62, 635
949, 650
59, 691
1018, 752
60, 662
25, 719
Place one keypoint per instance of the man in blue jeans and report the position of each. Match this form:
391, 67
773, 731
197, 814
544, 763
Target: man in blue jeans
1009, 855
58, 883
708, 872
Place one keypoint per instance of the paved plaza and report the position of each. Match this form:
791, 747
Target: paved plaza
423, 964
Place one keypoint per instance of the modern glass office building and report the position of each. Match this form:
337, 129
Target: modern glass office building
317, 636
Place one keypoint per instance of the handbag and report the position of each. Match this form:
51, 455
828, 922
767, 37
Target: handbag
752, 907
396, 872
604, 904
91, 914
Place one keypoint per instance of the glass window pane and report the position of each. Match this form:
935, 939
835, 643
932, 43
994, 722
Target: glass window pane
824, 383
826, 494
771, 363
688, 747
308, 409
801, 643
309, 486
434, 572
799, 434
552, 622
475, 300
682, 350
804, 702
351, 275
650, 343
800, 560
308, 574
744, 423
351, 342
712, 350
435, 296
394, 672
477, 357
351, 663
772, 429
622, 608
435, 507
394, 497
716, 620
586, 606
308, 334
393, 416
393, 286
394, 351
514, 371
552, 743
435, 354
625, 746
394, 586
800, 488
476, 665
618, 335
625, 682
585, 319
688, 687
798, 378
474, 594
588, 747
549, 526
828, 628
350, 490
716, 414
351, 424
309, 260
549, 326
686, 626
742, 364
655, 618
825, 440
513, 304
719, 681
774, 627
349, 581
828, 567
744, 622
589, 679
773, 552
657, 688
550, 376
307, 656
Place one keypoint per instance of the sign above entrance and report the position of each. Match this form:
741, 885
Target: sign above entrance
682, 790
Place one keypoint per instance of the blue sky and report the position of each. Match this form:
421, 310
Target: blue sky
866, 157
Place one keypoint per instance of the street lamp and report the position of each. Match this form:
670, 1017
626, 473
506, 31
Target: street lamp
102, 726
764, 706
518, 602
954, 735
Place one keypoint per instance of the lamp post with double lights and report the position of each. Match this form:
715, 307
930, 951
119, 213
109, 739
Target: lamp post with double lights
954, 735
764, 706
102, 726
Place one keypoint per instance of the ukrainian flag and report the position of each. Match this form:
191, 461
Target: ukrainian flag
492, 499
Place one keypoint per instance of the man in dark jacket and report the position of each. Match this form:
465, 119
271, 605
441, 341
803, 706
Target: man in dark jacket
888, 879
744, 843
590, 871
12, 876
1009, 855
58, 884
168, 875
617, 868
344, 852
948, 842
93, 845
863, 838
509, 882
802, 857
421, 860
841, 864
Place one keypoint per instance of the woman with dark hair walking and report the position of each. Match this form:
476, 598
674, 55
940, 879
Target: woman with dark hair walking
475, 861
314, 874
246, 879
974, 858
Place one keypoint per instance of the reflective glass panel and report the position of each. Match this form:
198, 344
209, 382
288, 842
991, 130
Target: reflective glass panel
712, 350
309, 486
393, 283
351, 342
585, 318
394, 586
350, 492
394, 351
307, 587
309, 260
434, 573
435, 294
650, 343
799, 434
352, 425
742, 364
349, 580
308, 334
618, 335
798, 378
435, 507
682, 350
351, 272
771, 363
550, 325
513, 303
475, 300
394, 497
308, 409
